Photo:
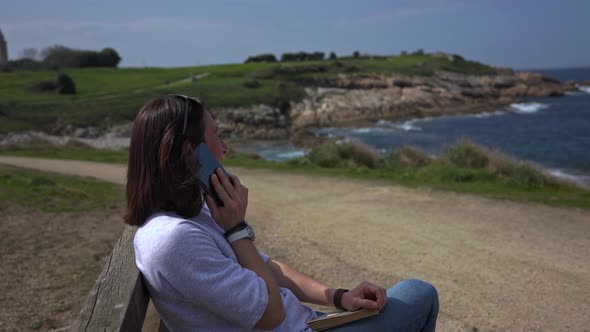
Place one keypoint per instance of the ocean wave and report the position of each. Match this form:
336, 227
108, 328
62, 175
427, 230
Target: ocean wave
584, 88
370, 130
487, 114
409, 126
582, 180
363, 130
290, 155
405, 126
527, 108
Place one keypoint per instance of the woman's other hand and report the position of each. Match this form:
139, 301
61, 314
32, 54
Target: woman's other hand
234, 198
364, 296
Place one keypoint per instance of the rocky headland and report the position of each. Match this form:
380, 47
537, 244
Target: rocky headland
352, 99
348, 100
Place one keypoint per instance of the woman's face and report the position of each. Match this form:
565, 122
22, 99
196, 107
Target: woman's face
213, 137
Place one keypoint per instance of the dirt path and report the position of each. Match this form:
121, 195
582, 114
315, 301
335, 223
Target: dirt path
497, 265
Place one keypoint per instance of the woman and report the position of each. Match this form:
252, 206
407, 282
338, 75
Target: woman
199, 260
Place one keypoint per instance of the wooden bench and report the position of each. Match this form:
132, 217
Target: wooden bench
119, 299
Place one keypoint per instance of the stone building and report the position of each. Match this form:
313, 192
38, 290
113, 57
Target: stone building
3, 50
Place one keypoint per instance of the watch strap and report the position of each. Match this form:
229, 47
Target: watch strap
238, 227
338, 298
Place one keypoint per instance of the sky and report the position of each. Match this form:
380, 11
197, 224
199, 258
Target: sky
518, 34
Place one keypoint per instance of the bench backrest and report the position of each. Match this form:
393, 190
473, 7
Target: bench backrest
118, 301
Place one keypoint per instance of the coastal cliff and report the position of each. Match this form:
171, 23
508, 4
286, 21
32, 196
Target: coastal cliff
349, 99
271, 101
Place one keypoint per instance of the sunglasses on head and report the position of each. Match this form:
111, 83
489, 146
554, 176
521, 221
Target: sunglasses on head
187, 99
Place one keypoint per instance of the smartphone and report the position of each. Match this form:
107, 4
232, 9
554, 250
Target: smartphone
208, 166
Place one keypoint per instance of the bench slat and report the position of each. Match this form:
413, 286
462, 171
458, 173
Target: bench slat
118, 301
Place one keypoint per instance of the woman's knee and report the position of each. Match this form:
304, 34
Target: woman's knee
416, 292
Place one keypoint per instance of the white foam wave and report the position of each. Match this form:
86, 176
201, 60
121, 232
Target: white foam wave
527, 108
584, 88
583, 180
369, 130
291, 154
406, 126
409, 126
487, 114
363, 130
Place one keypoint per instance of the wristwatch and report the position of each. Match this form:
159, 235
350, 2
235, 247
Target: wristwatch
240, 231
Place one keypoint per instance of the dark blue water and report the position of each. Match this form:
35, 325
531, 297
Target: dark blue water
551, 132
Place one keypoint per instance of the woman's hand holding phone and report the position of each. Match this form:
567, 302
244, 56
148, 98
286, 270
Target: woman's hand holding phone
234, 198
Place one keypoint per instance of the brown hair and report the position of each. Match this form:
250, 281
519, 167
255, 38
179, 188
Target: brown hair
162, 167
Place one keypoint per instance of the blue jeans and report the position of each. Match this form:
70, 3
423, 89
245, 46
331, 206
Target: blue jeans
412, 305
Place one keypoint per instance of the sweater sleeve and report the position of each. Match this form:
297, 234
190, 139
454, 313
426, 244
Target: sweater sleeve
193, 264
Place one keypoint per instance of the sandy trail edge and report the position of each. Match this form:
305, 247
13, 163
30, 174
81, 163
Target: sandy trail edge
497, 265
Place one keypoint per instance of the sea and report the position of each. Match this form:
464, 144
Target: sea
553, 133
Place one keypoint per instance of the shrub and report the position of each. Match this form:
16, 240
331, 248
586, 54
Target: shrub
326, 155
286, 93
519, 172
407, 157
58, 56
316, 56
467, 154
109, 57
527, 175
267, 57
21, 64
334, 155
303, 56
65, 84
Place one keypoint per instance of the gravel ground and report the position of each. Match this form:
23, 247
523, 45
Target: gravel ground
498, 265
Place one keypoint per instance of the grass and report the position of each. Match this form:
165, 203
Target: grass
56, 193
108, 96
73, 150
455, 170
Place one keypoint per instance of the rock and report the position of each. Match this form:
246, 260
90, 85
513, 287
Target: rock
539, 85
503, 82
570, 85
517, 91
402, 82
406, 97
256, 122
529, 78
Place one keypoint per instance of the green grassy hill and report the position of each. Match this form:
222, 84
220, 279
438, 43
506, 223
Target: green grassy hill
110, 96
